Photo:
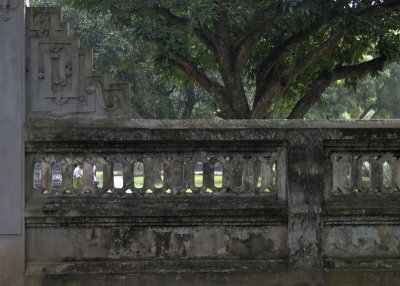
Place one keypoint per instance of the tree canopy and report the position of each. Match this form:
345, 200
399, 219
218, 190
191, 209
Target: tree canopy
372, 98
251, 55
132, 61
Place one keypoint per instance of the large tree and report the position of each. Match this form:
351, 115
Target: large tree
152, 94
252, 55
371, 98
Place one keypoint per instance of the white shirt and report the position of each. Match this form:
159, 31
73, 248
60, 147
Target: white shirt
94, 173
78, 172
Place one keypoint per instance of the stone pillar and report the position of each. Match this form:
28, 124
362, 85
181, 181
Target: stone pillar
305, 196
12, 61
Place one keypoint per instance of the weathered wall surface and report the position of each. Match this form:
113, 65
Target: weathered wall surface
335, 222
297, 203
157, 242
12, 70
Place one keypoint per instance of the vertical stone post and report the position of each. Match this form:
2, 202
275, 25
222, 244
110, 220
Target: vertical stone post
12, 57
305, 196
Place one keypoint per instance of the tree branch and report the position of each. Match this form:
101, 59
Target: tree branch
204, 34
276, 55
208, 38
171, 18
216, 45
367, 110
312, 96
361, 69
255, 33
191, 70
212, 87
302, 62
326, 78
231, 76
224, 45
190, 101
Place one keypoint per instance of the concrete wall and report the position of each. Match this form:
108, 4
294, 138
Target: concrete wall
12, 69
321, 223
322, 231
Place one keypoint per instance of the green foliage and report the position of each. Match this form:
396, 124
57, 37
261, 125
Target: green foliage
139, 40
372, 98
156, 93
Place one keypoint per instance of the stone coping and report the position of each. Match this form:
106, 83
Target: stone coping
37, 122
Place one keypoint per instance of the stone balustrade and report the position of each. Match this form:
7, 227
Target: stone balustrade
241, 202
191, 173
216, 197
365, 172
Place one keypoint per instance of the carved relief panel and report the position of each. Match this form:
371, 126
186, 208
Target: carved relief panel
61, 78
52, 75
5, 7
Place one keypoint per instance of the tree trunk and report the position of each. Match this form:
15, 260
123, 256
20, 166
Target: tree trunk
190, 101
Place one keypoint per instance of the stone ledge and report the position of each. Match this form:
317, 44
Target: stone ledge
363, 263
303, 277
168, 209
36, 121
157, 266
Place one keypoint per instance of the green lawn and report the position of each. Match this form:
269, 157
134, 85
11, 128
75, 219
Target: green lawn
198, 182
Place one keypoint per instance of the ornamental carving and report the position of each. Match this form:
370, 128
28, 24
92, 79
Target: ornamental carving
5, 7
61, 76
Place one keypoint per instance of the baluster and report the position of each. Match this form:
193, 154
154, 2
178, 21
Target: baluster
93, 178
46, 177
168, 175
208, 175
178, 175
393, 172
188, 175
248, 174
280, 174
228, 180
224, 180
149, 174
356, 167
67, 172
174, 175
346, 173
376, 174
263, 187
256, 174
335, 173
343, 175
87, 177
128, 175
237, 173
107, 175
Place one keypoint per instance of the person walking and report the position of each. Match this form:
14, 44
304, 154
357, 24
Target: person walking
77, 181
